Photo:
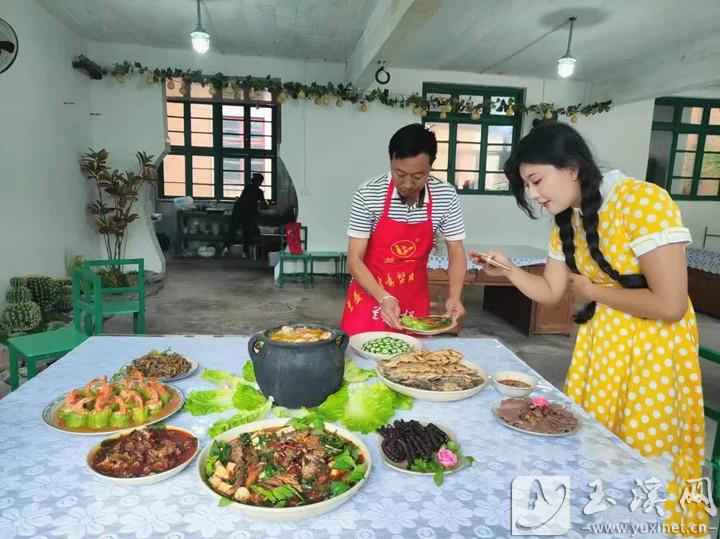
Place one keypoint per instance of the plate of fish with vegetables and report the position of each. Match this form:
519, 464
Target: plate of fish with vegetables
102, 406
280, 469
421, 449
427, 325
378, 345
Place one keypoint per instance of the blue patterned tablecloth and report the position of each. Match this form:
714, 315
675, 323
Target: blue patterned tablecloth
46, 490
703, 260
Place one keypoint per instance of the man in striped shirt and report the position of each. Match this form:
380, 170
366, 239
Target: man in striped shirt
392, 224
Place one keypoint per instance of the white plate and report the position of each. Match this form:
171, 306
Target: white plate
358, 341
147, 479
48, 416
399, 465
193, 367
430, 332
437, 396
286, 513
513, 427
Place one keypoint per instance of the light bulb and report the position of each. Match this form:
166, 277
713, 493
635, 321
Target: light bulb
566, 66
200, 40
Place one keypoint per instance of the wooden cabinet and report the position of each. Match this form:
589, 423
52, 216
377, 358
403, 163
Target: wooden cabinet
504, 300
704, 291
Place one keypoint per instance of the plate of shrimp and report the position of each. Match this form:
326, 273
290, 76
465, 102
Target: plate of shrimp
102, 406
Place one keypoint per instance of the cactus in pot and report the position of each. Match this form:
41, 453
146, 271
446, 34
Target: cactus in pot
18, 294
23, 316
45, 291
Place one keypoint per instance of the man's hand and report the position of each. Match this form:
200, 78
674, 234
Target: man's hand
454, 308
390, 311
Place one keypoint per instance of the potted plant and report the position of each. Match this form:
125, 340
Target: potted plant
112, 209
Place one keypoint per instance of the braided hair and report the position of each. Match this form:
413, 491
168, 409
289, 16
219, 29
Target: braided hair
561, 146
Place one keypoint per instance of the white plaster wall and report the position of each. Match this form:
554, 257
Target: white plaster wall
43, 194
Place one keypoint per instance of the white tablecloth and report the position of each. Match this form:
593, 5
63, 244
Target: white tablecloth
708, 261
46, 490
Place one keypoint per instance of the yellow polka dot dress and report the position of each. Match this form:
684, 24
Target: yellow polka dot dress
639, 377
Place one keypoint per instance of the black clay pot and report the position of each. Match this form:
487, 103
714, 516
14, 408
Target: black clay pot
299, 374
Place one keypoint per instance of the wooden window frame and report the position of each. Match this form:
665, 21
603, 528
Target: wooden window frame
217, 151
485, 121
677, 127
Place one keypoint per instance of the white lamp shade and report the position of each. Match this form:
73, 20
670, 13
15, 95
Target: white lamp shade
566, 66
200, 41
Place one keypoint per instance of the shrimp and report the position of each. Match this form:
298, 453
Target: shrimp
135, 378
104, 397
79, 406
154, 399
92, 384
131, 397
121, 405
156, 386
72, 397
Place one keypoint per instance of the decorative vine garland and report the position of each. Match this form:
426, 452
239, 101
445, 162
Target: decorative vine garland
323, 94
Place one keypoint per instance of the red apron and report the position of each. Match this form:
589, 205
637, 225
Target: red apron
396, 255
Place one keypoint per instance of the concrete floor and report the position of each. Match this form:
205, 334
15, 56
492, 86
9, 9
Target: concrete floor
230, 296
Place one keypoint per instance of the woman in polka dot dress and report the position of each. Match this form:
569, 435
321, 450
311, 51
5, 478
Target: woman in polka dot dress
619, 243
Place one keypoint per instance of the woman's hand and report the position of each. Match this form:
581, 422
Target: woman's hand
582, 287
490, 262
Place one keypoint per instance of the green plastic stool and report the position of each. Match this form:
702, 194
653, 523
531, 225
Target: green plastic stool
38, 347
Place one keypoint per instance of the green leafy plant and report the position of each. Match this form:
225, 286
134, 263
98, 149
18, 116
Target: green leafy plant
116, 193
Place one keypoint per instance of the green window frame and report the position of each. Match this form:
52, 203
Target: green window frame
685, 147
476, 149
234, 152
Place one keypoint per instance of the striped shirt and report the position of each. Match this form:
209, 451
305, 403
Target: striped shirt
369, 200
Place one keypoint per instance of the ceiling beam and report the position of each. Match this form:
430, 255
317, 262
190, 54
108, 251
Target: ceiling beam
691, 66
384, 21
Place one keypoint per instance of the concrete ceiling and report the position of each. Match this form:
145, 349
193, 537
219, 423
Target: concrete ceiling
618, 43
282, 28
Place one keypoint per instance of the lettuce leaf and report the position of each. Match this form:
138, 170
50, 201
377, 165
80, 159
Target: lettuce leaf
353, 373
209, 401
334, 406
368, 408
242, 417
248, 372
223, 379
247, 398
400, 401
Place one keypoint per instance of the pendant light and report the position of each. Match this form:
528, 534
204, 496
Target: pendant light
200, 38
566, 64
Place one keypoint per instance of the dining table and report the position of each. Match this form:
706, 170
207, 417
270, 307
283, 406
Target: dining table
587, 484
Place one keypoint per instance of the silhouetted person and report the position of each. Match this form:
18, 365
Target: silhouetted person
246, 212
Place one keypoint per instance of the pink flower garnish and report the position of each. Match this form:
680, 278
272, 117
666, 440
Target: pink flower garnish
540, 402
447, 458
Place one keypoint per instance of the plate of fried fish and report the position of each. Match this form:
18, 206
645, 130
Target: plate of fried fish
440, 375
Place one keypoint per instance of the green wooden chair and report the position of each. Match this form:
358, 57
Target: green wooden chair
286, 256
712, 410
39, 347
91, 300
326, 256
